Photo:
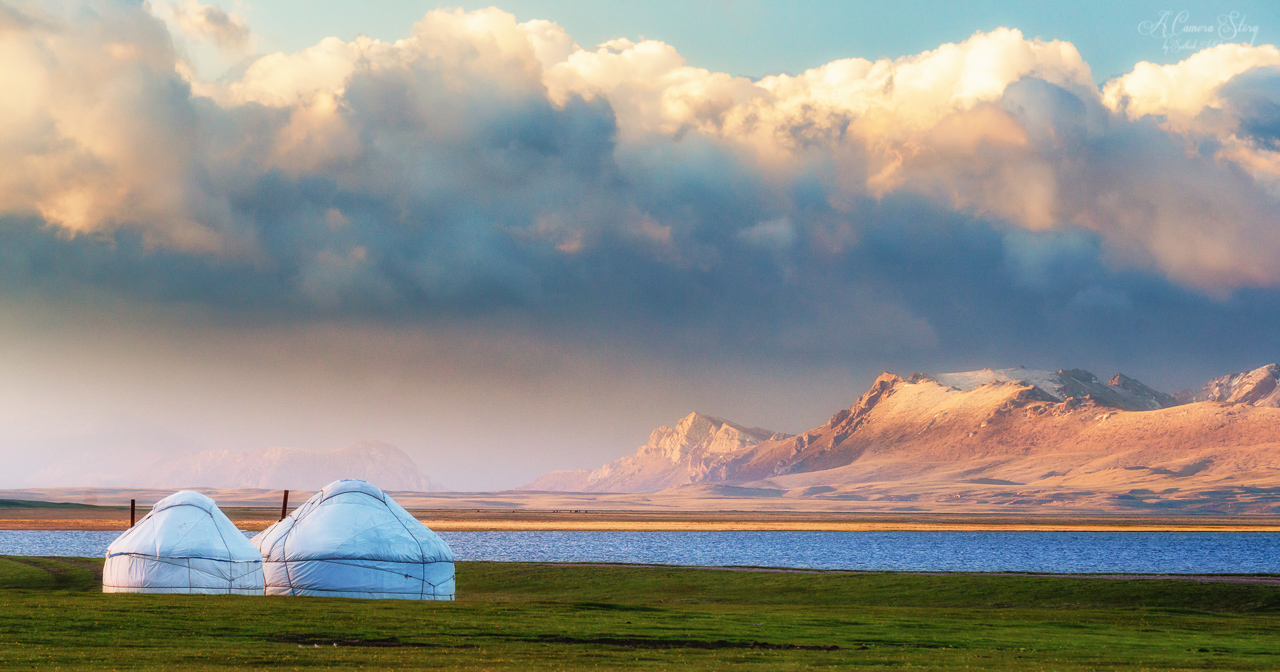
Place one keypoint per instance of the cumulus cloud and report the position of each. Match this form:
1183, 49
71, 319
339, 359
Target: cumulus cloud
1181, 91
98, 132
210, 22
999, 126
482, 166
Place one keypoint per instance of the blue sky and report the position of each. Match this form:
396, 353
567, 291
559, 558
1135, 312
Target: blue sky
756, 38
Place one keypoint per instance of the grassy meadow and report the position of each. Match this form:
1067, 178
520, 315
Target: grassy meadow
514, 616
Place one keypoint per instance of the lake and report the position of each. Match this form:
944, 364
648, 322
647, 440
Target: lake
1055, 552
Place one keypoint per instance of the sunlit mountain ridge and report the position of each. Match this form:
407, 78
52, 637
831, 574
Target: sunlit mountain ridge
989, 437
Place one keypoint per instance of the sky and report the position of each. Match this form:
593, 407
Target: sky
515, 239
755, 38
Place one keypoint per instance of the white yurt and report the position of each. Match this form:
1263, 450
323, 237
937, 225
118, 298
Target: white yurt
352, 540
185, 545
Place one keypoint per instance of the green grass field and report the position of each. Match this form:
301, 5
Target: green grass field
566, 617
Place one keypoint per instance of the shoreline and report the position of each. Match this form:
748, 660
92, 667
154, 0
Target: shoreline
490, 520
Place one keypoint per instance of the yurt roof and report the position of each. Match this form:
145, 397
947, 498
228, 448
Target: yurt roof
186, 524
352, 518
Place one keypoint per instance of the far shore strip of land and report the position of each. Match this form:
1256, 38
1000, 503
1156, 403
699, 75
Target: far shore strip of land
477, 520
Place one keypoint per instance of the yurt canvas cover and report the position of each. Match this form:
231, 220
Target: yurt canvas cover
352, 540
185, 545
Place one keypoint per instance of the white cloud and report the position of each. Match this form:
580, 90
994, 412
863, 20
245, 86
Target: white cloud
1181, 91
98, 131
107, 129
210, 22
550, 43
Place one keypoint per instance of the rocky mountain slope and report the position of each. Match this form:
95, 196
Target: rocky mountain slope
1256, 388
695, 450
1120, 392
1014, 435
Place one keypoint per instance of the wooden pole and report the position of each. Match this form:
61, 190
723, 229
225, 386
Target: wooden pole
133, 504
284, 508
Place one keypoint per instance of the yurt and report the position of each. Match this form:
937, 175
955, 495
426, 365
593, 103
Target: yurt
185, 545
352, 540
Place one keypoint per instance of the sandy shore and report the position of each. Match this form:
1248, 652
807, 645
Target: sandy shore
820, 526
258, 518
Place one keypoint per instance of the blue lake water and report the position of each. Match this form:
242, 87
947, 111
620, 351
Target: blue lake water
1057, 552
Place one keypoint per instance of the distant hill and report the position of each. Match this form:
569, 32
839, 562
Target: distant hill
296, 468
33, 504
1060, 439
686, 453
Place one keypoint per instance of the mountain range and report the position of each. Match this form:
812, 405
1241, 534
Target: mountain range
285, 467
987, 437
246, 478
